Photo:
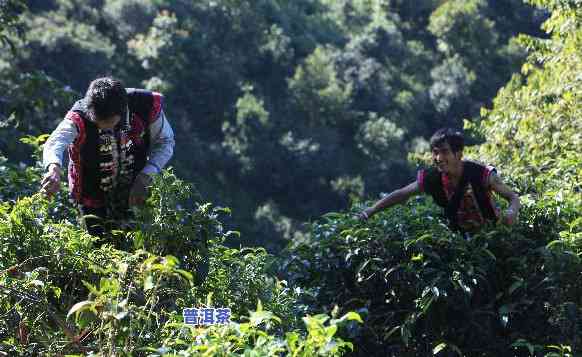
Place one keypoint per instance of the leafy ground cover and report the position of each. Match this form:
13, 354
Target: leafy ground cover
418, 288
64, 292
421, 288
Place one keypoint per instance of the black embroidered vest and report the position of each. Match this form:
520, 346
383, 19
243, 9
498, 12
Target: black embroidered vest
473, 174
86, 174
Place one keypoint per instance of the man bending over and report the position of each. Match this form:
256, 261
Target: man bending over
462, 188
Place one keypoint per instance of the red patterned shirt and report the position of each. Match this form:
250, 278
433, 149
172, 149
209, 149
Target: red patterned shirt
469, 216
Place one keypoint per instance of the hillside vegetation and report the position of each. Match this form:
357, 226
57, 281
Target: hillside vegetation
347, 89
508, 291
282, 109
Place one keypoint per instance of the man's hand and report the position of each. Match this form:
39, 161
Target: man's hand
139, 191
51, 180
509, 217
365, 214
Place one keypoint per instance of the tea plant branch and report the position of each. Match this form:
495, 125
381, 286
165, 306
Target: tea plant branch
78, 255
50, 311
26, 261
60, 254
13, 308
20, 294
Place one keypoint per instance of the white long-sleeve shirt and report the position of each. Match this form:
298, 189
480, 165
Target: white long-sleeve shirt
160, 151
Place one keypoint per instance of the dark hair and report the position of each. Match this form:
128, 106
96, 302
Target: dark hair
106, 97
448, 135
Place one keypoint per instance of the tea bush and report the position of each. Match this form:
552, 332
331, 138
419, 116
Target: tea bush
422, 288
425, 290
63, 291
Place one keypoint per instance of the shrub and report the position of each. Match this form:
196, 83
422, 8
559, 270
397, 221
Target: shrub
420, 286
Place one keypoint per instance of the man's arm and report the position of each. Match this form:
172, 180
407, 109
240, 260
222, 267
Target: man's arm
52, 155
497, 185
393, 198
161, 150
162, 145
55, 146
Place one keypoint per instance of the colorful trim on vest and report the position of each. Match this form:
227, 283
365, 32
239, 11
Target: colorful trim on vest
101, 174
470, 213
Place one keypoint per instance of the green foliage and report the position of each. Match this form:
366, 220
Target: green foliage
424, 290
302, 103
317, 87
459, 25
466, 32
254, 338
348, 87
15, 180
249, 132
63, 292
534, 129
9, 24
421, 288
451, 80
170, 226
31, 103
379, 137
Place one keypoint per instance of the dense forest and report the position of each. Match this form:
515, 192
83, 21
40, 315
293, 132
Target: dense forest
283, 110
288, 116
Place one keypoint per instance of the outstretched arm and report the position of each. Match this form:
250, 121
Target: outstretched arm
64, 135
497, 185
393, 198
